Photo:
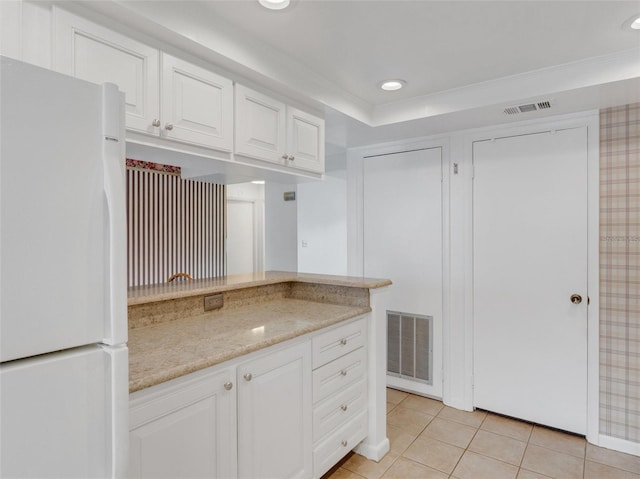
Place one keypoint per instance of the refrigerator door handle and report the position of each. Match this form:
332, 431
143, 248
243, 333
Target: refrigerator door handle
119, 412
113, 156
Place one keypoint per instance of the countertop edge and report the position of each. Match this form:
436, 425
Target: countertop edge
164, 292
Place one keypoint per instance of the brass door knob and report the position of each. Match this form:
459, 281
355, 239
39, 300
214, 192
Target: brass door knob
576, 299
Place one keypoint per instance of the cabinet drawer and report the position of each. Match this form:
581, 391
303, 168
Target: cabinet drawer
329, 452
338, 374
338, 342
336, 411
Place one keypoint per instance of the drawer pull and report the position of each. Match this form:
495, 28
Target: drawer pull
228, 386
344, 443
343, 341
343, 372
248, 377
344, 407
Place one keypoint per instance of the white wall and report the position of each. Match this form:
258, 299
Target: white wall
322, 225
281, 228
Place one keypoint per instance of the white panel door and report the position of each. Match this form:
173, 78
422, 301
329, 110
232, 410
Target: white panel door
186, 431
529, 258
241, 237
274, 415
56, 414
403, 240
89, 51
260, 126
305, 141
197, 105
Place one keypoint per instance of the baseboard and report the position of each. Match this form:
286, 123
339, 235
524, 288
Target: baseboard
375, 452
620, 445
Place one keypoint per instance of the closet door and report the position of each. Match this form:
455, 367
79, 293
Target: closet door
403, 242
530, 277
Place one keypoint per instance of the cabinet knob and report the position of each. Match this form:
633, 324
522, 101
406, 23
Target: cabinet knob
248, 377
285, 157
343, 372
291, 158
344, 443
344, 407
155, 122
343, 341
168, 126
228, 386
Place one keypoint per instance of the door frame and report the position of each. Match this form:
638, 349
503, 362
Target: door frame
355, 225
258, 230
590, 120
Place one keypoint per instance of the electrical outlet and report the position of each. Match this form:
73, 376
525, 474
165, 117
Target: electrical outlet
215, 301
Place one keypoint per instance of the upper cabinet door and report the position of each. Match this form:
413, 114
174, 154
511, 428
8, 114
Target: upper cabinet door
94, 53
197, 105
260, 126
305, 144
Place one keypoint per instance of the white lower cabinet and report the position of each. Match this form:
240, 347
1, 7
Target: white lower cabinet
340, 404
185, 430
274, 415
270, 416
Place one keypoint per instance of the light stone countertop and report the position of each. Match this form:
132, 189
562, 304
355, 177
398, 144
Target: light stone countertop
183, 289
172, 349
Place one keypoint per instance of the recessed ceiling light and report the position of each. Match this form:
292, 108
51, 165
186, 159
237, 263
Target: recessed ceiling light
274, 4
258, 182
392, 85
632, 22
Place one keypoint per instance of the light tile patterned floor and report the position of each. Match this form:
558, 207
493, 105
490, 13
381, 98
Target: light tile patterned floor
432, 441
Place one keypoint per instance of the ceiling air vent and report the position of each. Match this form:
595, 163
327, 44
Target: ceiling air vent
515, 110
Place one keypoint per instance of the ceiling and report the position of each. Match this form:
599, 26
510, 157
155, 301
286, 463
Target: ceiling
463, 61
433, 45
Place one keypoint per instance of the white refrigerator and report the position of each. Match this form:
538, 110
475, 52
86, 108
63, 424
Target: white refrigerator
63, 309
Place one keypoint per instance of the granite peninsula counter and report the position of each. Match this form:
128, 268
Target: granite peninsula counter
221, 369
171, 335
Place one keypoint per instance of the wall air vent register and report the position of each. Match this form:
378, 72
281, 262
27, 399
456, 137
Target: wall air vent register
529, 107
410, 346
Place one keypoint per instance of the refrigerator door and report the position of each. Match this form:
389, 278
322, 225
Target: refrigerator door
64, 414
56, 273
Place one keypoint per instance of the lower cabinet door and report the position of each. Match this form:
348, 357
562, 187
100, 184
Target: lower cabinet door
274, 415
186, 430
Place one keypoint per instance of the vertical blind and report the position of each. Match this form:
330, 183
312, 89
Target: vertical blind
173, 225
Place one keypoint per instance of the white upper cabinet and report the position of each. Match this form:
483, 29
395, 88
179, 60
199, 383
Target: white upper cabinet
191, 104
269, 130
197, 105
305, 140
86, 50
260, 126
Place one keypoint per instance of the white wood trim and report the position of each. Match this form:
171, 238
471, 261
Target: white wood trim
376, 444
258, 229
593, 278
621, 445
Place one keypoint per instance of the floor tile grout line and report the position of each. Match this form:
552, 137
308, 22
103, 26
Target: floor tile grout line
479, 427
